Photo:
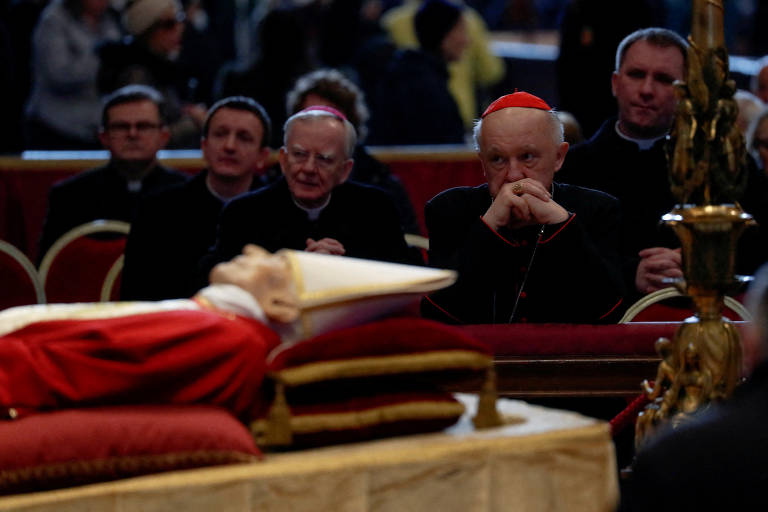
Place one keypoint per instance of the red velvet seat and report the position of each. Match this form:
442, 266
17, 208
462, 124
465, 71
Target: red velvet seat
20, 284
84, 265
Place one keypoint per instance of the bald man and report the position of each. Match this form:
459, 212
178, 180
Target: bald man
527, 249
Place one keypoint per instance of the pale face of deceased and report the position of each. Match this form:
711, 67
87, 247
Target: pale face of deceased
264, 275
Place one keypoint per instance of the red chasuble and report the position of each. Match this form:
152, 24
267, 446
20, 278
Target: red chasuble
174, 357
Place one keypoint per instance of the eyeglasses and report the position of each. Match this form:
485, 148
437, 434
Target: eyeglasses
122, 129
170, 23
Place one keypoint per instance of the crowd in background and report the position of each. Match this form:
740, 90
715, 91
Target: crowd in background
60, 57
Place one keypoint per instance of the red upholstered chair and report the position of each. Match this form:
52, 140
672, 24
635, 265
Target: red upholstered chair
19, 281
676, 307
84, 265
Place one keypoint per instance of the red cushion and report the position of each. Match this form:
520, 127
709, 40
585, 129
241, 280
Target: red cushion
78, 446
385, 374
387, 337
355, 417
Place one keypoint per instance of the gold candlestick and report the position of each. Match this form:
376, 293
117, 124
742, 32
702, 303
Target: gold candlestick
707, 170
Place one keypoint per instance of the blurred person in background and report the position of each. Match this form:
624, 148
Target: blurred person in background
757, 140
133, 130
750, 106
412, 104
476, 70
150, 56
64, 105
759, 82
283, 56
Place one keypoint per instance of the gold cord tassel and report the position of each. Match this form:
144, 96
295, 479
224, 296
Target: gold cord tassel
487, 415
278, 428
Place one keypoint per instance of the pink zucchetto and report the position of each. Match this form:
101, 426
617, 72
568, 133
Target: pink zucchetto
328, 109
517, 99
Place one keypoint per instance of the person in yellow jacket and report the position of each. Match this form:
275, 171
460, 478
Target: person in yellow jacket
478, 67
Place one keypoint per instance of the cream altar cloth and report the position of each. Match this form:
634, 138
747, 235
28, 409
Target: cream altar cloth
543, 460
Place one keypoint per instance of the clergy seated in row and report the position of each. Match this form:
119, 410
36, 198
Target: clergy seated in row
133, 129
313, 207
174, 227
627, 158
526, 248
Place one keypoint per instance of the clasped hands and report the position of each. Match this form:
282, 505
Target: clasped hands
325, 246
523, 203
657, 266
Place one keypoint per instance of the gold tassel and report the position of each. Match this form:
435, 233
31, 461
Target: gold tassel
487, 416
278, 428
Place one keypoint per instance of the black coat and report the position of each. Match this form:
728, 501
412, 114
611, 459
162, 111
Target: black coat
362, 218
716, 462
172, 230
571, 275
639, 180
413, 104
100, 193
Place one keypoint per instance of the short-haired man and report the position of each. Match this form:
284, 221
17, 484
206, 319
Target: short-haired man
314, 208
626, 158
133, 129
526, 249
175, 227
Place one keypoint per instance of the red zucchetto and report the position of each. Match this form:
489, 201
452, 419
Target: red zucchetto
326, 108
517, 99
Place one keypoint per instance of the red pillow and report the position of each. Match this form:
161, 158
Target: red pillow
80, 446
359, 418
396, 345
374, 380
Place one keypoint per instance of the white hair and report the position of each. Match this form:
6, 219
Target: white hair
350, 139
557, 129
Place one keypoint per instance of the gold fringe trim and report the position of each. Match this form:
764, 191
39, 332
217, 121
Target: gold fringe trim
418, 410
119, 466
383, 365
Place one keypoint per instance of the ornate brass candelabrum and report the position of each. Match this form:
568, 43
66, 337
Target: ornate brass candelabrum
707, 171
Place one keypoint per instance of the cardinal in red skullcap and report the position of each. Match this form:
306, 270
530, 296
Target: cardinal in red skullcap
527, 249
517, 99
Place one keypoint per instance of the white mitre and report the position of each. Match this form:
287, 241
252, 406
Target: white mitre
338, 291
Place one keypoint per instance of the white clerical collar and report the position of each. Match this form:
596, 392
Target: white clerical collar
314, 213
642, 144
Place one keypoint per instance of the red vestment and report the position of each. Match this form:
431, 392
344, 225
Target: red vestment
178, 357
